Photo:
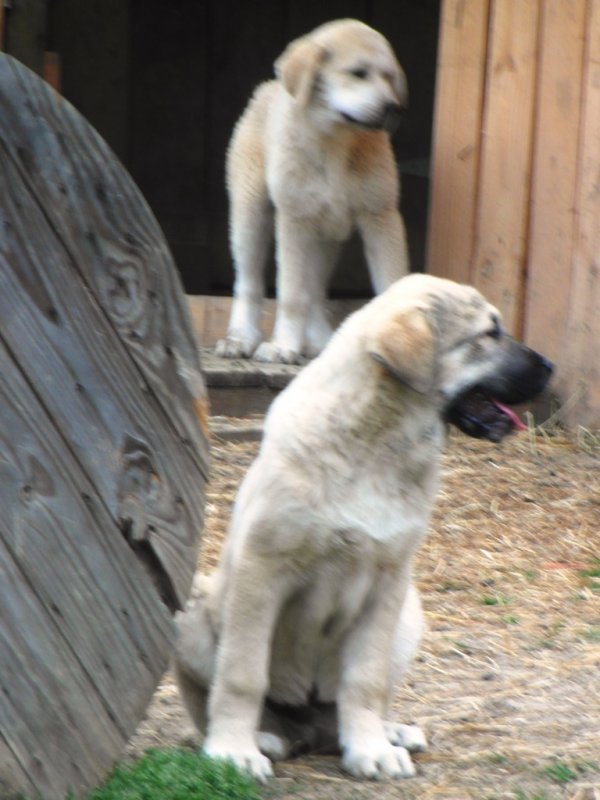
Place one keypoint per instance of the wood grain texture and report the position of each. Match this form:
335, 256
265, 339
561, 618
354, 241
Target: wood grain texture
111, 236
506, 150
555, 169
84, 636
107, 320
456, 142
102, 460
581, 371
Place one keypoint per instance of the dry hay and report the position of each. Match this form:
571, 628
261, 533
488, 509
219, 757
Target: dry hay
507, 683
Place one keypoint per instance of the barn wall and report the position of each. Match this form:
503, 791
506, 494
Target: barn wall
516, 175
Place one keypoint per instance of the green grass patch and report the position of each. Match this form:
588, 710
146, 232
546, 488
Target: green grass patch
591, 576
592, 634
531, 575
494, 600
560, 773
565, 773
176, 774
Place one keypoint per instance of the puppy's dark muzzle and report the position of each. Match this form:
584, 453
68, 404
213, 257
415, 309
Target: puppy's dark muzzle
483, 411
524, 375
389, 119
392, 117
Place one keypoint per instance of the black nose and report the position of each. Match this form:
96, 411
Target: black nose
395, 109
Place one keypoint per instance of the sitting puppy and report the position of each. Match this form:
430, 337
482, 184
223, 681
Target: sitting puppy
311, 158
300, 635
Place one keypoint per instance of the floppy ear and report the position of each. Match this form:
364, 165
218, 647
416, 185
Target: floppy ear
297, 68
405, 345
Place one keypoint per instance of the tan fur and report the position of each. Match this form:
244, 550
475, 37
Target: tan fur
298, 638
299, 168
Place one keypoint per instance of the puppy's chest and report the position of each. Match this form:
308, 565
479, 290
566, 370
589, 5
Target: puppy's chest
336, 585
319, 190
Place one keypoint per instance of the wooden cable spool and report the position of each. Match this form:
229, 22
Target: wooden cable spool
103, 447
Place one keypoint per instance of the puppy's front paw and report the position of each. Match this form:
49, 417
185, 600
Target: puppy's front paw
410, 737
379, 763
247, 758
274, 353
235, 347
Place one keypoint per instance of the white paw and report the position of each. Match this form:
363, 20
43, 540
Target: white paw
247, 758
275, 747
276, 354
410, 737
385, 761
235, 347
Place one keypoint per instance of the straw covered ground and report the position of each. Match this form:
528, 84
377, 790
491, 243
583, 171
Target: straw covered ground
507, 683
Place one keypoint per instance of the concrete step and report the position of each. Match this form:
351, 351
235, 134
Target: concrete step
240, 387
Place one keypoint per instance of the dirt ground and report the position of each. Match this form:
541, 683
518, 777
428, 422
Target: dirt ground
507, 683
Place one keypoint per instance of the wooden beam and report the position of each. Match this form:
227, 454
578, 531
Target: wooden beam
457, 131
555, 169
580, 365
504, 182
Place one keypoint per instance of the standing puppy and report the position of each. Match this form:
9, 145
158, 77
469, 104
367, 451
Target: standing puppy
299, 636
311, 159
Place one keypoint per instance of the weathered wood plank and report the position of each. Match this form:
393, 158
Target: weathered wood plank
457, 130
504, 182
581, 364
80, 619
84, 375
555, 167
99, 321
102, 462
113, 240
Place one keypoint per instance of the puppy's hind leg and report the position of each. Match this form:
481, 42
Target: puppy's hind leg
194, 659
250, 234
386, 249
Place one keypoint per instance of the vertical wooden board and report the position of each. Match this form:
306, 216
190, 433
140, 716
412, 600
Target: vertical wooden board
113, 240
580, 365
554, 177
462, 55
504, 182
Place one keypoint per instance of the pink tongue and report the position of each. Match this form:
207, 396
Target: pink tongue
517, 424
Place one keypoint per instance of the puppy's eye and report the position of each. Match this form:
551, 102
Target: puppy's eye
360, 72
495, 332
